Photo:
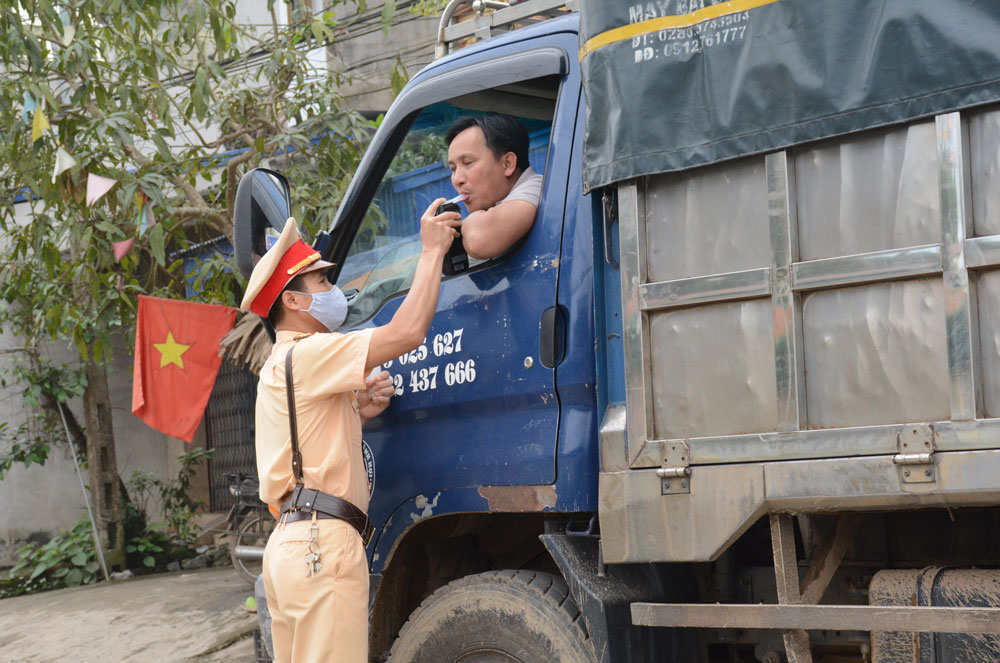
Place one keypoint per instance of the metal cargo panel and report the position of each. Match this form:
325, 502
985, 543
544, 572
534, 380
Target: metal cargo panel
878, 324
984, 152
862, 353
868, 193
876, 354
713, 359
989, 324
707, 222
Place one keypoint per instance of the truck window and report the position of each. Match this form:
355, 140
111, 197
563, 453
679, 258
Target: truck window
384, 253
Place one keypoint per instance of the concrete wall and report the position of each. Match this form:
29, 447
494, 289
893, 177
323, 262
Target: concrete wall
41, 501
369, 56
362, 51
37, 502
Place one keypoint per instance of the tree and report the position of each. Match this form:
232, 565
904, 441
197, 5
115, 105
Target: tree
173, 99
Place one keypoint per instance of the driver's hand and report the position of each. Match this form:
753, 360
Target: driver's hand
438, 232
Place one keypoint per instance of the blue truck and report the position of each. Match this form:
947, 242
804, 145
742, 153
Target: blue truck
733, 396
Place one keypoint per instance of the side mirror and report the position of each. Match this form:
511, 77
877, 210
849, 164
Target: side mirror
263, 201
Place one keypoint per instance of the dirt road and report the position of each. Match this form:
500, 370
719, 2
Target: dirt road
188, 616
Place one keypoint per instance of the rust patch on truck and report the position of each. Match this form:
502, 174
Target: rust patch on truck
519, 498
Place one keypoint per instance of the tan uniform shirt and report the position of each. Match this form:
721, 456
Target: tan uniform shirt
326, 369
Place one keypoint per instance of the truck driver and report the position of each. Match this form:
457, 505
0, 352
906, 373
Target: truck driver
488, 158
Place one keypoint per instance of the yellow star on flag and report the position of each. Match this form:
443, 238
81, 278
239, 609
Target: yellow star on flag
171, 351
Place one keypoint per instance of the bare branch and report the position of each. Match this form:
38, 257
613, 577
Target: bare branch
274, 26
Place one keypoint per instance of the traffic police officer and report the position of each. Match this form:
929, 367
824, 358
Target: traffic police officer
315, 569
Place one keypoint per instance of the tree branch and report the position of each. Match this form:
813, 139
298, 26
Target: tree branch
219, 220
52, 28
78, 437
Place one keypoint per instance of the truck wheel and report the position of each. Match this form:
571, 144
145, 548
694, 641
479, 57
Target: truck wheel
496, 617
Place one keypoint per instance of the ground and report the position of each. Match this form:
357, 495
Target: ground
188, 616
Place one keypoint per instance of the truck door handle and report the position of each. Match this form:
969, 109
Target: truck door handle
552, 337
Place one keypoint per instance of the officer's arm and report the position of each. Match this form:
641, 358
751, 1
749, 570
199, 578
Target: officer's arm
489, 233
409, 325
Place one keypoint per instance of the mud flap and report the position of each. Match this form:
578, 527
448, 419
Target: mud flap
604, 601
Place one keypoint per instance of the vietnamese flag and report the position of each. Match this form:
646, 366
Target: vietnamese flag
176, 361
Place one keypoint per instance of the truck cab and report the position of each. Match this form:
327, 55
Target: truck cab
491, 439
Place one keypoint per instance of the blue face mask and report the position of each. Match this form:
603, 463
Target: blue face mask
329, 307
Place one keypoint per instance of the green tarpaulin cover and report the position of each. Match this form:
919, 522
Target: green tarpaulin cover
674, 84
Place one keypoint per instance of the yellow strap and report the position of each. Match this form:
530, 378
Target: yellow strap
665, 22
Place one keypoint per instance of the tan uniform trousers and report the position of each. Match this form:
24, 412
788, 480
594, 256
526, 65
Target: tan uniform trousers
322, 618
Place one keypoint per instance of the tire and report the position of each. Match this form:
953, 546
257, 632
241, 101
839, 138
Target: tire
253, 532
496, 617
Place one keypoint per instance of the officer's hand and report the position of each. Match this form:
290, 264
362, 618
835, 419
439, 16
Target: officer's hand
439, 231
375, 399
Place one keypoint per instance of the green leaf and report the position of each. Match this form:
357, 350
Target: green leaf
156, 243
39, 569
217, 71
59, 573
220, 39
79, 559
91, 566
108, 228
149, 561
73, 578
399, 77
161, 147
81, 343
388, 11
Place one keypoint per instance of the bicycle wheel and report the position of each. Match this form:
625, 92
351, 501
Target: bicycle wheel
250, 542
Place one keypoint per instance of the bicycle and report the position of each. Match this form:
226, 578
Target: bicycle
250, 523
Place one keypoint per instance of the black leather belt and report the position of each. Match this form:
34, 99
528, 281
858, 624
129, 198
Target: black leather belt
293, 516
303, 501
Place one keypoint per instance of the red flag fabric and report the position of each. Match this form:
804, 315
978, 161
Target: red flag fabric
176, 361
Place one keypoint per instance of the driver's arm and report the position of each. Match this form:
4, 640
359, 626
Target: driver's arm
490, 233
409, 325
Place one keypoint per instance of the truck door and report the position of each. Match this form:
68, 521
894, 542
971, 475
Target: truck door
474, 406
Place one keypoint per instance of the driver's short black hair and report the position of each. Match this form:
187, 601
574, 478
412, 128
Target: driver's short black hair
503, 134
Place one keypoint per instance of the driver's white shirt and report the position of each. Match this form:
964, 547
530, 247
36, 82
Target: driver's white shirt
527, 188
